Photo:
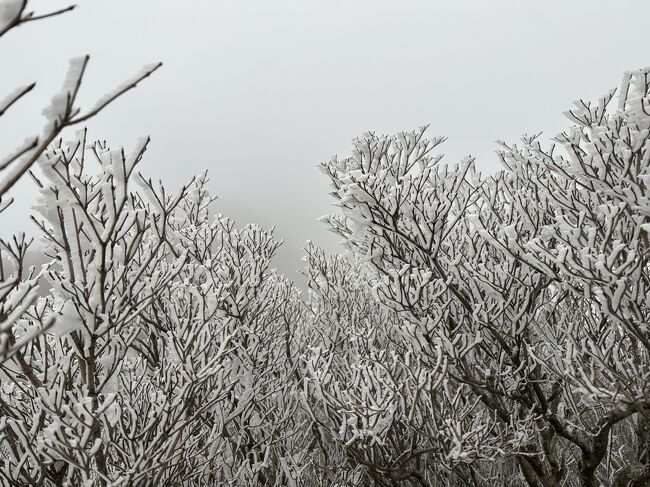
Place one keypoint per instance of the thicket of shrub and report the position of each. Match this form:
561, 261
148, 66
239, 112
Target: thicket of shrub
477, 331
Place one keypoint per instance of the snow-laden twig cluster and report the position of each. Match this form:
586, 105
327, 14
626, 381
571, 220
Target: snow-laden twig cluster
532, 282
18, 284
166, 362
478, 331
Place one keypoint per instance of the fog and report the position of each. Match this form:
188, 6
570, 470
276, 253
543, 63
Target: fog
259, 92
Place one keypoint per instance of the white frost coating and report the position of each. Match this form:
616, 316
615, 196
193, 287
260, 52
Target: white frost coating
59, 104
22, 148
18, 167
7, 100
144, 72
373, 366
75, 71
140, 147
68, 321
151, 196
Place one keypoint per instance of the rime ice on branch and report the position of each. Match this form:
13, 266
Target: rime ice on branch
533, 282
60, 114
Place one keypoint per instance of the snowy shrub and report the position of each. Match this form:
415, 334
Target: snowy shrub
531, 281
477, 331
17, 284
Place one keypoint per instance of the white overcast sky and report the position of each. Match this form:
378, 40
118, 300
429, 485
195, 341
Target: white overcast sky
259, 92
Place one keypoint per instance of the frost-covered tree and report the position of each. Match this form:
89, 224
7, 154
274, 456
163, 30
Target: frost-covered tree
111, 260
479, 331
171, 359
595, 241
531, 281
386, 413
18, 284
256, 423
